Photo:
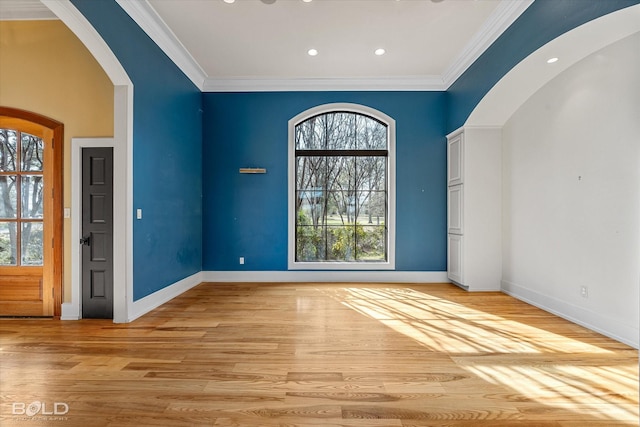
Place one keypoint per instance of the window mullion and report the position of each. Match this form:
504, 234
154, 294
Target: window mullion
325, 225
18, 198
356, 195
343, 153
355, 190
386, 209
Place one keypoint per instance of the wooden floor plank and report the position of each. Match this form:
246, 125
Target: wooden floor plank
292, 354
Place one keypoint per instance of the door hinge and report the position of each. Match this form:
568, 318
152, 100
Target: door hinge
52, 243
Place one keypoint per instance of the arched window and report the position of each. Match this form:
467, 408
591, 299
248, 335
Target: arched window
341, 208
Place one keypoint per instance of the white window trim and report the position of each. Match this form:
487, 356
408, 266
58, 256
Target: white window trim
390, 264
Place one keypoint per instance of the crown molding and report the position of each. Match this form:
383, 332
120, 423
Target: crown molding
151, 23
503, 16
248, 84
22, 10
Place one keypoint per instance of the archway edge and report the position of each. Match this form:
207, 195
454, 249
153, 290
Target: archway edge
532, 73
123, 165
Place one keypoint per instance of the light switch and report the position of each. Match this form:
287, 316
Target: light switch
67, 212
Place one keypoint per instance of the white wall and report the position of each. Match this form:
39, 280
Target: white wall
571, 193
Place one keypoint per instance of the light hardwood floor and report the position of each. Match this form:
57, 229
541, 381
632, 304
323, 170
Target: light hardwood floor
319, 355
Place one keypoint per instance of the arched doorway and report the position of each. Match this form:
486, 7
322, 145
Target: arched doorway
524, 95
122, 143
30, 214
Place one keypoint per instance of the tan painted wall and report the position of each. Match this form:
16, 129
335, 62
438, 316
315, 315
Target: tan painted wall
44, 68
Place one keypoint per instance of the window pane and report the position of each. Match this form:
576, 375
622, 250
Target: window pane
372, 135
311, 208
371, 188
32, 186
311, 173
311, 134
340, 208
341, 131
373, 209
8, 243
32, 243
8, 144
310, 243
372, 172
8, 194
32, 153
311, 195
371, 243
345, 184
341, 243
341, 173
336, 208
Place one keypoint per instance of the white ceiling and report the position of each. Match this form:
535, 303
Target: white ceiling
251, 45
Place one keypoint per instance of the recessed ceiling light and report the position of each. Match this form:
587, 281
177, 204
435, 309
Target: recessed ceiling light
380, 51
312, 52
307, 1
552, 60
229, 1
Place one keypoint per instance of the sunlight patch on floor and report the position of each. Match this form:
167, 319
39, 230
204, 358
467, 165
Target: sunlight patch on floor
537, 364
428, 319
588, 388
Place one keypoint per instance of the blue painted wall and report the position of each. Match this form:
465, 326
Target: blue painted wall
542, 22
204, 215
246, 215
167, 149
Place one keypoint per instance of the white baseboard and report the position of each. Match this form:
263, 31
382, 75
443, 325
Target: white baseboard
70, 311
611, 328
145, 305
327, 276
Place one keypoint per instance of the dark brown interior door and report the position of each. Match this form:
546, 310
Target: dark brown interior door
97, 233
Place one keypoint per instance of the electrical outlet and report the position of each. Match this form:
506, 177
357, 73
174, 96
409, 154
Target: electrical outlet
584, 292
241, 260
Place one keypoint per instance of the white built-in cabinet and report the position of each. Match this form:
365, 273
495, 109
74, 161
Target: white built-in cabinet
474, 208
